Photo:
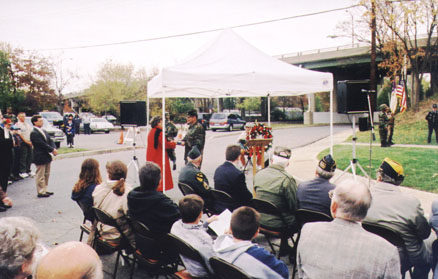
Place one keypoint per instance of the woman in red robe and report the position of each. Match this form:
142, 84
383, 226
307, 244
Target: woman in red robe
154, 152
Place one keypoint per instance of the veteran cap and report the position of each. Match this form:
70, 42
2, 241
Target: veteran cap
434, 106
192, 113
392, 169
327, 163
282, 151
194, 153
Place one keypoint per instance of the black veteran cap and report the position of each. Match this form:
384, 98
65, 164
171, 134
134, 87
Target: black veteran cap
194, 153
282, 151
392, 169
327, 163
192, 113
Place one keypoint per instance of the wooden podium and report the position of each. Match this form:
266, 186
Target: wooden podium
262, 143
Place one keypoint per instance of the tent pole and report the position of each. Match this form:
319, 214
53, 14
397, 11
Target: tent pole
163, 134
331, 122
269, 110
147, 121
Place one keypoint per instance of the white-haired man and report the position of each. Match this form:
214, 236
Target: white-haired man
342, 248
313, 194
403, 213
276, 185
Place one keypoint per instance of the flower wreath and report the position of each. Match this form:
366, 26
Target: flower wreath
259, 131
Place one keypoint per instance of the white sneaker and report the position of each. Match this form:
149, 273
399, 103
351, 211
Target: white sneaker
23, 175
31, 174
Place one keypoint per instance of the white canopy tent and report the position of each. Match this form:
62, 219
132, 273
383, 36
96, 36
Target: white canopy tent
231, 67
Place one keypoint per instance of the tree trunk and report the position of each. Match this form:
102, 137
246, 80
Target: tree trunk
416, 84
434, 80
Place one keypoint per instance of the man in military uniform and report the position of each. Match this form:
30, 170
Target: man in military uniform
192, 176
195, 135
391, 123
383, 125
171, 133
432, 122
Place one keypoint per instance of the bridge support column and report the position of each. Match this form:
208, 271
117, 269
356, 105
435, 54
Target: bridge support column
308, 115
434, 80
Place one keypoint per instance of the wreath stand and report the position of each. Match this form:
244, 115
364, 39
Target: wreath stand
254, 143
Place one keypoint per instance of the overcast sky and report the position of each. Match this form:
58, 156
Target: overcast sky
47, 24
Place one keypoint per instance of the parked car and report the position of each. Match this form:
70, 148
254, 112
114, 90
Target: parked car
111, 118
99, 125
226, 121
204, 119
54, 117
55, 134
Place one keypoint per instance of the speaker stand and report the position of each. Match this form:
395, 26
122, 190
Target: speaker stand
134, 160
354, 162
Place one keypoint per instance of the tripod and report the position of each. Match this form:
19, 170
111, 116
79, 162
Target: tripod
134, 160
354, 161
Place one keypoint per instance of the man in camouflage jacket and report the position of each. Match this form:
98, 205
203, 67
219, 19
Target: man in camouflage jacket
171, 133
195, 135
383, 125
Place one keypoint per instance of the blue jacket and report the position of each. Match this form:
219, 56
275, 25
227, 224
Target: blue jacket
313, 195
251, 258
229, 179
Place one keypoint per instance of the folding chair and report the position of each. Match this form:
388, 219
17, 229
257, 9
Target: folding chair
304, 216
106, 219
391, 236
221, 201
185, 189
88, 216
186, 250
149, 252
267, 207
225, 270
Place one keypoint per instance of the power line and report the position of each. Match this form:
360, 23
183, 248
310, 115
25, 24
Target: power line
197, 32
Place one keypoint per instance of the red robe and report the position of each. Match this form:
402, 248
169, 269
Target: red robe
156, 156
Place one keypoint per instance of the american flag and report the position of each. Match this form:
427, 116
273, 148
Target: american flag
401, 93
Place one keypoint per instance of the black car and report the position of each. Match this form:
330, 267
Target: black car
204, 119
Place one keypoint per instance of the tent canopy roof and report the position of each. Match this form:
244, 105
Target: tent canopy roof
231, 67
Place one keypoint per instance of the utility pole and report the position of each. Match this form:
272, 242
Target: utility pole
373, 83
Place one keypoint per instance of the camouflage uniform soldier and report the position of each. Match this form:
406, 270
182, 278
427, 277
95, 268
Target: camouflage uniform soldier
195, 135
171, 133
391, 124
383, 125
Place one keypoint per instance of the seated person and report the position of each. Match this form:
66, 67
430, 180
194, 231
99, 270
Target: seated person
404, 214
89, 178
193, 231
238, 249
276, 185
20, 248
313, 194
70, 260
150, 207
191, 175
111, 197
230, 179
433, 221
342, 248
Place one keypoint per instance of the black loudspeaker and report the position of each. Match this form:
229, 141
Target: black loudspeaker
364, 124
133, 113
350, 97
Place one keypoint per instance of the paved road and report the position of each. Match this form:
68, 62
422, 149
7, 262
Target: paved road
58, 217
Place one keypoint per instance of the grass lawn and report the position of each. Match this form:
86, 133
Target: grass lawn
420, 164
65, 150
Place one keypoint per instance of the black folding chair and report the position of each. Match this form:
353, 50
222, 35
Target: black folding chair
267, 207
221, 201
123, 245
186, 250
151, 253
391, 236
304, 216
225, 270
89, 217
185, 189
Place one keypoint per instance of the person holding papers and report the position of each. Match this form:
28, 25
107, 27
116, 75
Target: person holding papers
193, 231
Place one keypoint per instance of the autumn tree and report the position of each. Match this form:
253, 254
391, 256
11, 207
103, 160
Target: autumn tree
115, 83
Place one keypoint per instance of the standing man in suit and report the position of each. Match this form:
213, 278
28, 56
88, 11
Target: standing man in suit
43, 146
230, 179
6, 157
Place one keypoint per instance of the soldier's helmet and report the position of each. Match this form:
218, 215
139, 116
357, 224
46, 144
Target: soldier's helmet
383, 107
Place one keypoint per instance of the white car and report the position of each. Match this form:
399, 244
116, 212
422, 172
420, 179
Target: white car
55, 134
100, 125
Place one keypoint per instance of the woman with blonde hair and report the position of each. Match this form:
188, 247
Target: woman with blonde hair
111, 197
89, 178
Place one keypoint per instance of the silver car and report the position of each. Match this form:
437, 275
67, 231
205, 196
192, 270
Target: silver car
55, 134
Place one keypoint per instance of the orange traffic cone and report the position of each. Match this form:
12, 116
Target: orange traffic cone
121, 137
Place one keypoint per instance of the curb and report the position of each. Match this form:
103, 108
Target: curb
94, 152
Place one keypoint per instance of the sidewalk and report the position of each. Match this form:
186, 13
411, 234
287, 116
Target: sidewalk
304, 161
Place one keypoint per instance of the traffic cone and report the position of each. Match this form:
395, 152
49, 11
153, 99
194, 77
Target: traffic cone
121, 137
